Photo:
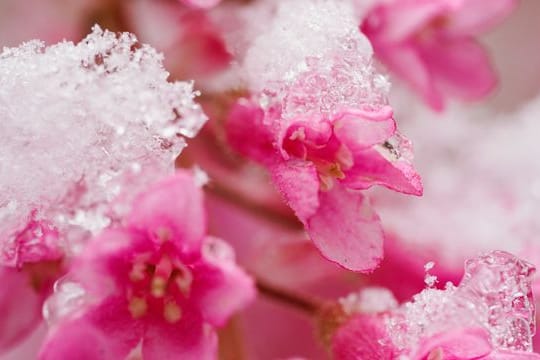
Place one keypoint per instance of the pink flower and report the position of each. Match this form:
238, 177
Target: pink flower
38, 241
31, 265
431, 45
320, 162
159, 281
489, 315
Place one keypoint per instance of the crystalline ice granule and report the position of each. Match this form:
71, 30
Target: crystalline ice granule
83, 126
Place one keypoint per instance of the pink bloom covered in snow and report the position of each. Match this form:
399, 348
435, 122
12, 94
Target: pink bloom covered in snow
490, 315
158, 282
431, 45
320, 162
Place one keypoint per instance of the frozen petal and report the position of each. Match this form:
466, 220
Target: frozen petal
346, 230
462, 344
188, 339
171, 209
359, 129
299, 184
222, 286
372, 168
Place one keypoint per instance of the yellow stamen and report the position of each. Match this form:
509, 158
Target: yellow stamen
159, 285
183, 281
172, 312
137, 272
163, 234
137, 307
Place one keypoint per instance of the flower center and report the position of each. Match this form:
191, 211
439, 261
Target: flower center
158, 286
330, 157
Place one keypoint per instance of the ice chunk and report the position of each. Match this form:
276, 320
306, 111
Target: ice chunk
83, 125
313, 59
495, 294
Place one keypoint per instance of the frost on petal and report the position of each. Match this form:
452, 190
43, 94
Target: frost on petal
79, 123
311, 60
360, 129
346, 230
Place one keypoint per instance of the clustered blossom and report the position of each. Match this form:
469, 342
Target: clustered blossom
84, 121
185, 213
324, 131
159, 280
77, 146
489, 315
432, 45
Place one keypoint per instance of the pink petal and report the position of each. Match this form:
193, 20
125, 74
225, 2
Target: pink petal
346, 230
188, 339
474, 17
360, 129
79, 339
37, 241
512, 355
20, 306
405, 61
247, 133
462, 344
315, 135
460, 67
362, 337
398, 20
298, 182
114, 321
106, 262
372, 168
172, 208
222, 286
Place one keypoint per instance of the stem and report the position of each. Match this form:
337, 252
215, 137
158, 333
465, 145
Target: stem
303, 303
252, 207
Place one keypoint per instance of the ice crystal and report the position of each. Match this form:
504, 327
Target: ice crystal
79, 123
495, 294
314, 63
